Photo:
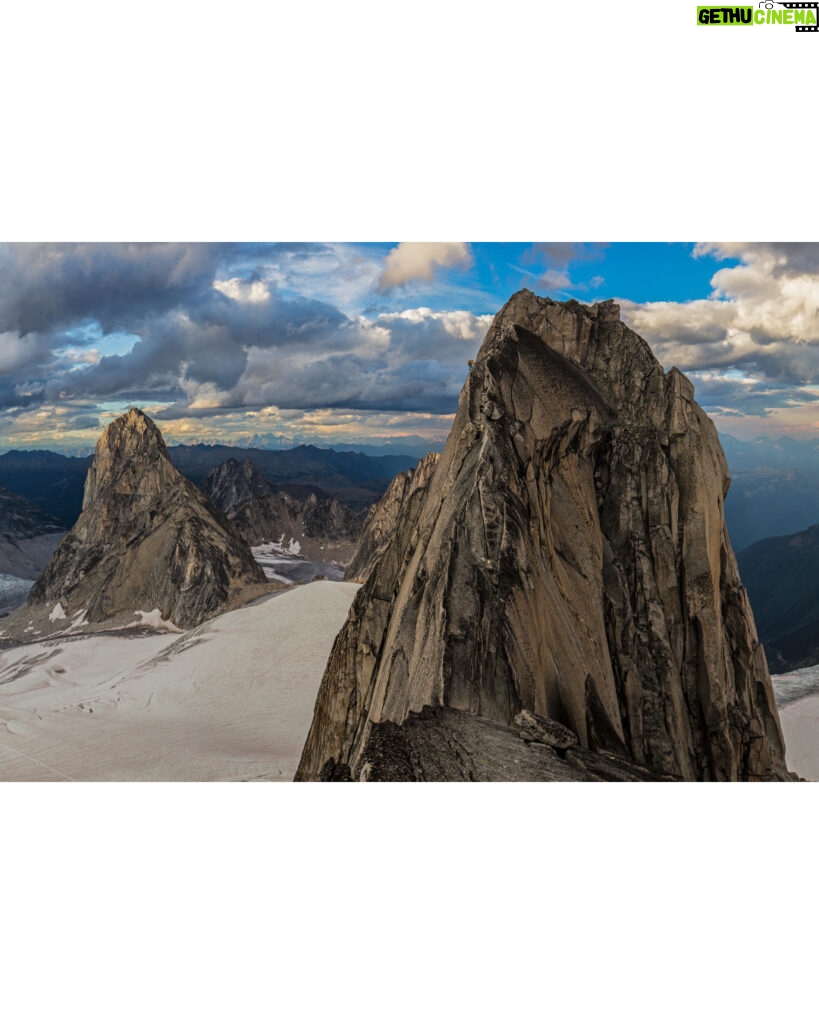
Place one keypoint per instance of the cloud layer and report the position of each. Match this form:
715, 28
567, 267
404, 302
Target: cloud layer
199, 331
222, 340
752, 346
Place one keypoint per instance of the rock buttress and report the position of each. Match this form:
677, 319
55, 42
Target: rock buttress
569, 557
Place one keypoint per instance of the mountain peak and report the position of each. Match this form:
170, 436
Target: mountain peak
567, 559
146, 538
130, 458
233, 482
133, 426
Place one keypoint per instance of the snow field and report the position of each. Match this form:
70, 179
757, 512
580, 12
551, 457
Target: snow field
230, 700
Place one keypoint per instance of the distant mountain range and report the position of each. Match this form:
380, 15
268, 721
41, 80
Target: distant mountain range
55, 482
781, 575
774, 488
28, 536
780, 452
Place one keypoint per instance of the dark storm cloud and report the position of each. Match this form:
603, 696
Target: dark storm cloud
82, 422
18, 395
206, 343
344, 382
46, 287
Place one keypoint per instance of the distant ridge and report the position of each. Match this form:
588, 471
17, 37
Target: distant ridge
28, 535
55, 482
782, 577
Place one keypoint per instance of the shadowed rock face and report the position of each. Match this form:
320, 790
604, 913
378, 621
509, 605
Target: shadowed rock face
233, 482
146, 538
569, 558
384, 516
325, 529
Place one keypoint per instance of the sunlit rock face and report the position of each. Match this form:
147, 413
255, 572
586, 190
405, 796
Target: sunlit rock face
569, 558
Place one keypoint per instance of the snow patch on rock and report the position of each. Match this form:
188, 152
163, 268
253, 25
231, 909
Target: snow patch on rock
155, 621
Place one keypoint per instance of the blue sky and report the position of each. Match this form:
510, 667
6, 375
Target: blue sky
354, 343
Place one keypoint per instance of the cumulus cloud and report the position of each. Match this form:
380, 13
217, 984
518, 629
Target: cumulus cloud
763, 314
413, 360
751, 346
203, 334
209, 329
419, 261
243, 291
555, 280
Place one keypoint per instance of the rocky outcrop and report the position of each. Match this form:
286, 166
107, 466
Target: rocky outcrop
233, 482
445, 745
569, 559
322, 530
384, 516
146, 539
28, 535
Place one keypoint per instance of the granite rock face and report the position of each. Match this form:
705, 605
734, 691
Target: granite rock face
146, 538
233, 482
324, 529
384, 516
569, 558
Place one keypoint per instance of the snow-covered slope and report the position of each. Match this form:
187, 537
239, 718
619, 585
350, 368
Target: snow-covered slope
797, 697
231, 699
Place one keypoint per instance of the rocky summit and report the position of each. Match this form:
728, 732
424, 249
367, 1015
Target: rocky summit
233, 482
563, 602
146, 539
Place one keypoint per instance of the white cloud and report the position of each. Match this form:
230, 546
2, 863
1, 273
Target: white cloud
554, 280
763, 312
243, 291
459, 323
419, 261
337, 273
